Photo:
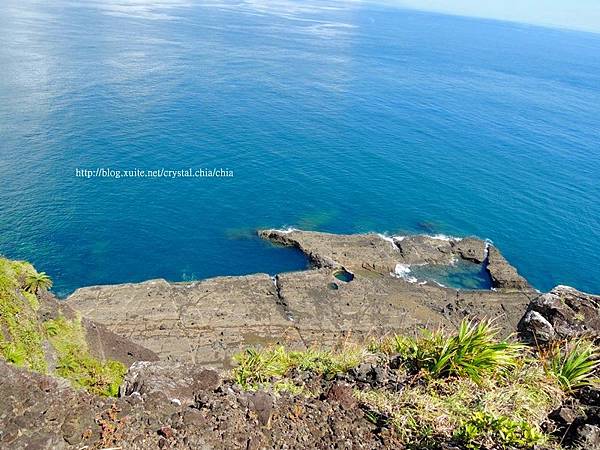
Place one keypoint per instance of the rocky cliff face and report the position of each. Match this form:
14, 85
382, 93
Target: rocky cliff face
41, 333
205, 322
354, 292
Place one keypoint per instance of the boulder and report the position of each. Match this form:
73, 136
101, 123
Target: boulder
538, 326
562, 313
587, 437
179, 383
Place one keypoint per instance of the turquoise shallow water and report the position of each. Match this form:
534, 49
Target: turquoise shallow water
333, 116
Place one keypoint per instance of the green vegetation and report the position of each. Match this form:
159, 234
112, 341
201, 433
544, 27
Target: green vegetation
75, 362
486, 430
256, 368
37, 282
473, 352
469, 388
427, 412
574, 364
23, 336
459, 389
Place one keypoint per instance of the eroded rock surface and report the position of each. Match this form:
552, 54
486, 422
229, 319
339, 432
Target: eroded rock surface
504, 276
562, 313
206, 322
181, 403
41, 412
176, 382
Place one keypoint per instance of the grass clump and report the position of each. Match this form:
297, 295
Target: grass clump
573, 364
426, 412
75, 362
258, 367
474, 351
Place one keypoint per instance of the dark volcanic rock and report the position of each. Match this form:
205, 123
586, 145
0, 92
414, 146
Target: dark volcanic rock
179, 383
343, 394
105, 344
562, 313
43, 412
564, 416
589, 395
537, 326
587, 437
39, 411
471, 249
504, 276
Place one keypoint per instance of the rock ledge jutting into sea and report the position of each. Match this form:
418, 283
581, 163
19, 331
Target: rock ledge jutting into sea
206, 321
174, 341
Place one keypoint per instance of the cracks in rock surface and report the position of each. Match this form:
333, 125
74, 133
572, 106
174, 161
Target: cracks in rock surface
280, 300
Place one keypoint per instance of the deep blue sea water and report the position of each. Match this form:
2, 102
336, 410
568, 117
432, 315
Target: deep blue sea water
341, 117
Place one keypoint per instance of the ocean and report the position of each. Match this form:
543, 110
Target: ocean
342, 117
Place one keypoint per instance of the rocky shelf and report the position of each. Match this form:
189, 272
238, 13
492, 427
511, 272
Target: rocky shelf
177, 339
206, 321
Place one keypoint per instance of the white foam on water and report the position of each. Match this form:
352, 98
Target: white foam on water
389, 239
403, 271
285, 230
443, 237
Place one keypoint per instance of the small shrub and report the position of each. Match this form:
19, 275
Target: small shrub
485, 430
574, 365
37, 281
14, 354
473, 352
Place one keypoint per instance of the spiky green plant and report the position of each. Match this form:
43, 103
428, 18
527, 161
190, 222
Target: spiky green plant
14, 354
473, 352
38, 282
574, 364
255, 366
